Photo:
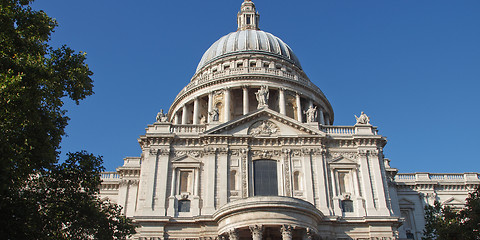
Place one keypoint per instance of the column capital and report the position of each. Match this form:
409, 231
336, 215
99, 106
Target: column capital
233, 234
257, 232
286, 232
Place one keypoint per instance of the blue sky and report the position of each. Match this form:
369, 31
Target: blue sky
412, 66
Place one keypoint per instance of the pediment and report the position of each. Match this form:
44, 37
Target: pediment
404, 202
185, 159
342, 160
453, 201
265, 123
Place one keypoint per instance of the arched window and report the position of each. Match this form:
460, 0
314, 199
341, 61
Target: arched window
233, 180
265, 178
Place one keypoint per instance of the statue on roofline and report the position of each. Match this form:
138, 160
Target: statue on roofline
363, 119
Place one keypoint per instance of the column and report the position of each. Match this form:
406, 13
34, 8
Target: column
210, 106
281, 101
209, 192
162, 173
321, 117
149, 167
233, 235
366, 182
196, 105
176, 120
227, 105
257, 232
286, 232
299, 108
184, 114
245, 100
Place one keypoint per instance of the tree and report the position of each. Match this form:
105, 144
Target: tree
445, 223
35, 79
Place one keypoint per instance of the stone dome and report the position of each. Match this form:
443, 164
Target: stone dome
244, 41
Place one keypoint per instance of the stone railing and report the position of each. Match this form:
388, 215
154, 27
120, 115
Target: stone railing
412, 177
109, 176
188, 128
208, 77
338, 130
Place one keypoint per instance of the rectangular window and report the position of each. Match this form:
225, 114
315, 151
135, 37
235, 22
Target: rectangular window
186, 182
184, 206
265, 178
248, 20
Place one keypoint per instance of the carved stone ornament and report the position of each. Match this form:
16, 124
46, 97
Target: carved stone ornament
161, 117
266, 153
262, 97
263, 128
191, 153
311, 114
363, 119
348, 155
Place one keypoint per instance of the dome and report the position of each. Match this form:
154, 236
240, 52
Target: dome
243, 41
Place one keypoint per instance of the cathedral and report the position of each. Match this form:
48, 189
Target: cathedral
248, 150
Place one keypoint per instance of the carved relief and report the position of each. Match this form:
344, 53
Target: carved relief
190, 153
265, 153
348, 155
263, 128
286, 163
244, 158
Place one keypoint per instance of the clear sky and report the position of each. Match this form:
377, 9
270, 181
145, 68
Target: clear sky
412, 66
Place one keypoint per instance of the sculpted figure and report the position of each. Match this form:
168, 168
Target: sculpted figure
311, 114
161, 117
363, 119
262, 97
214, 113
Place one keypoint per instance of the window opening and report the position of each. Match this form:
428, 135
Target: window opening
347, 206
184, 206
265, 178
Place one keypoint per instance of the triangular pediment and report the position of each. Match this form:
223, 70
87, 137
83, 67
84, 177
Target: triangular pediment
342, 160
453, 201
404, 202
185, 158
265, 123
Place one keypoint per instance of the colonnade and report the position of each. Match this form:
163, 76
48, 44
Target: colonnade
258, 232
185, 115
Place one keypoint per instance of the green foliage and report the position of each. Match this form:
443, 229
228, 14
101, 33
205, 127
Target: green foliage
444, 223
39, 198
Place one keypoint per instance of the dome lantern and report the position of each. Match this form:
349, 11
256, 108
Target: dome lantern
248, 17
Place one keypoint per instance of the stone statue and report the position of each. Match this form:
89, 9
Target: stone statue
214, 114
161, 117
363, 119
311, 114
262, 97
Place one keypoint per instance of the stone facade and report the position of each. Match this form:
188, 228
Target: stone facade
248, 150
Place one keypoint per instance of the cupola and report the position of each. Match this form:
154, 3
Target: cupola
248, 17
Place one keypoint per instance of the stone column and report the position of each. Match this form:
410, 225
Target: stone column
257, 232
209, 175
184, 114
210, 106
299, 108
176, 119
281, 101
196, 106
321, 117
233, 234
227, 105
286, 232
246, 104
